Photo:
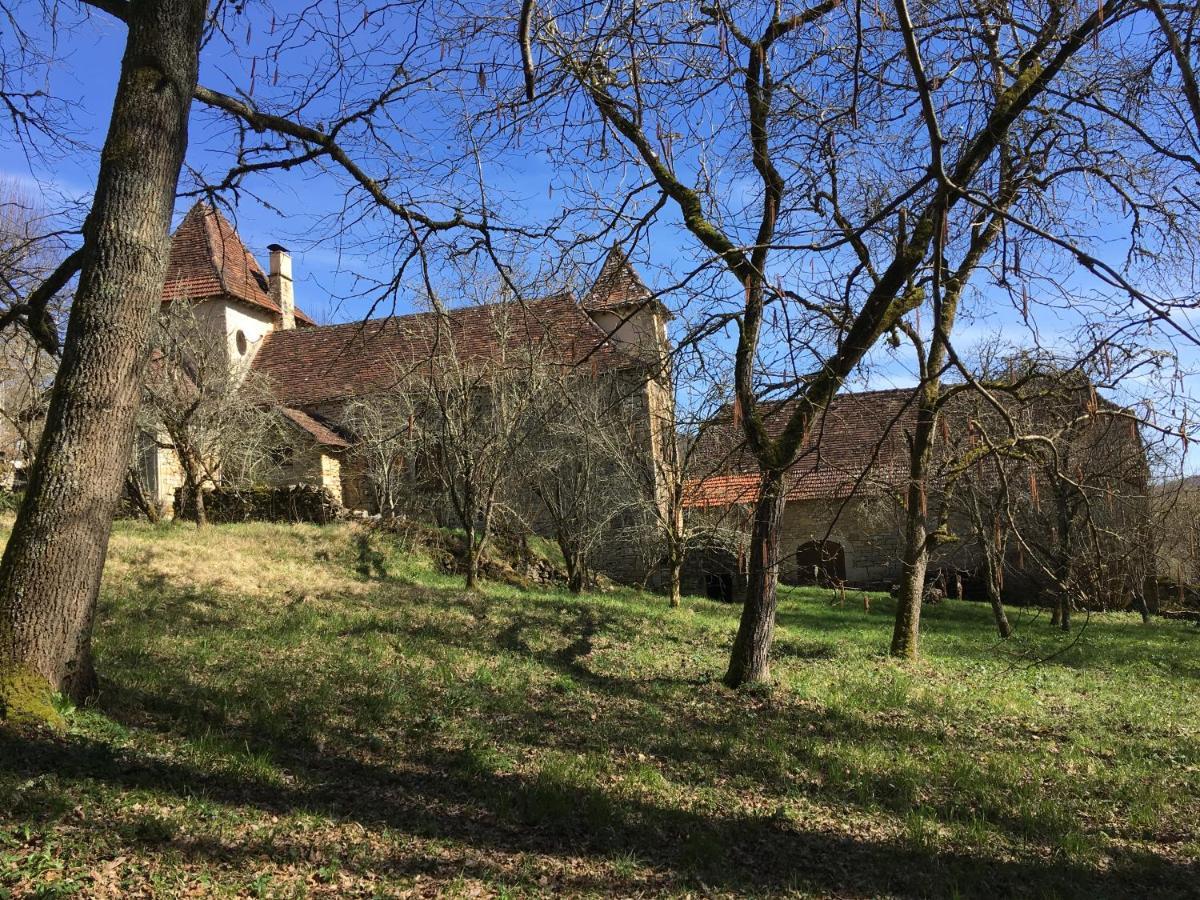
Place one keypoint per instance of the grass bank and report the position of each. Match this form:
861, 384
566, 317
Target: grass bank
312, 712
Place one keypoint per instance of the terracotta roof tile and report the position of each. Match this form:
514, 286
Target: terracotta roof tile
857, 445
208, 259
332, 363
617, 285
720, 490
320, 431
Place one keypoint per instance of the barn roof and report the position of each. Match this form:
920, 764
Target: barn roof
856, 446
336, 362
208, 259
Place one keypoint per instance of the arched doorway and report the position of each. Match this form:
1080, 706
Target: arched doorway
719, 568
820, 562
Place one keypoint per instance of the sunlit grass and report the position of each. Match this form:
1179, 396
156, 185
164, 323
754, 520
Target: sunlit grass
306, 711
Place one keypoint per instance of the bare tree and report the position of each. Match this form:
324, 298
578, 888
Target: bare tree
382, 425
51, 568
659, 500
567, 464
197, 404
1049, 482
472, 389
765, 132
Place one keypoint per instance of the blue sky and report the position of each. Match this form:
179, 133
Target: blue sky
89, 51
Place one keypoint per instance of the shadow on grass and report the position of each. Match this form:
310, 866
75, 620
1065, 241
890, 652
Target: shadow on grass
456, 797
722, 736
965, 630
334, 733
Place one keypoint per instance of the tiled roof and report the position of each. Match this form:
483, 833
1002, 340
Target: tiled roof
720, 490
208, 259
321, 432
337, 362
617, 285
856, 446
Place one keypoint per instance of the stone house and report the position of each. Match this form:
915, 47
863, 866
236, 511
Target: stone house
844, 518
615, 333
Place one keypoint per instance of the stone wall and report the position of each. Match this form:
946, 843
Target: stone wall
868, 530
307, 463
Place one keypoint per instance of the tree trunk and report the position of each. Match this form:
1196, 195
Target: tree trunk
573, 560
1065, 517
750, 660
575, 577
198, 505
472, 560
140, 497
50, 572
675, 578
193, 489
992, 572
907, 628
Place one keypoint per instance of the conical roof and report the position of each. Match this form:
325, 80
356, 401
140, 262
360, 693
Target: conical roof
617, 285
208, 259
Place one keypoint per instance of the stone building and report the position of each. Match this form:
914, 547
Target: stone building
844, 518
615, 333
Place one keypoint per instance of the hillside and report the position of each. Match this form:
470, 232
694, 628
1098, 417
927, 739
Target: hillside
304, 711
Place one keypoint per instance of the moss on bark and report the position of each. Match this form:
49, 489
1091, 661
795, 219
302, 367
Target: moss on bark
26, 699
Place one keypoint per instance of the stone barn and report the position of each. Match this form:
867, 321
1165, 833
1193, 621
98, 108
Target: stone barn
844, 519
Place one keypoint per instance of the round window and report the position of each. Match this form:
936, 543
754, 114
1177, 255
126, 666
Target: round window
241, 343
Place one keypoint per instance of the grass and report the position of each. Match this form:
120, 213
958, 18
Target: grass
305, 711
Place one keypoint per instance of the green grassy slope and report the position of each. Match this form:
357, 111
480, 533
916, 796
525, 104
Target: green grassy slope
309, 712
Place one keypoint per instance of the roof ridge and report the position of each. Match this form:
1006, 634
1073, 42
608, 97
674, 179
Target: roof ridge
420, 314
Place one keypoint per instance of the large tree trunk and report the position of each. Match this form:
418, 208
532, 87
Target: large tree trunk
750, 660
50, 572
907, 629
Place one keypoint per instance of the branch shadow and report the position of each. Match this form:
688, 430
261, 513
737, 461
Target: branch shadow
452, 797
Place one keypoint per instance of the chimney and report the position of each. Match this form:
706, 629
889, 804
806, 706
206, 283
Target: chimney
280, 283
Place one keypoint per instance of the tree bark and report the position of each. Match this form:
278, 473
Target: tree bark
675, 579
907, 628
575, 577
472, 559
749, 661
193, 487
1062, 613
573, 560
992, 572
50, 572
140, 497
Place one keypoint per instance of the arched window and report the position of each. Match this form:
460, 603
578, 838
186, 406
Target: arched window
820, 562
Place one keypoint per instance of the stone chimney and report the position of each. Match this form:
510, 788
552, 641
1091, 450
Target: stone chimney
280, 283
